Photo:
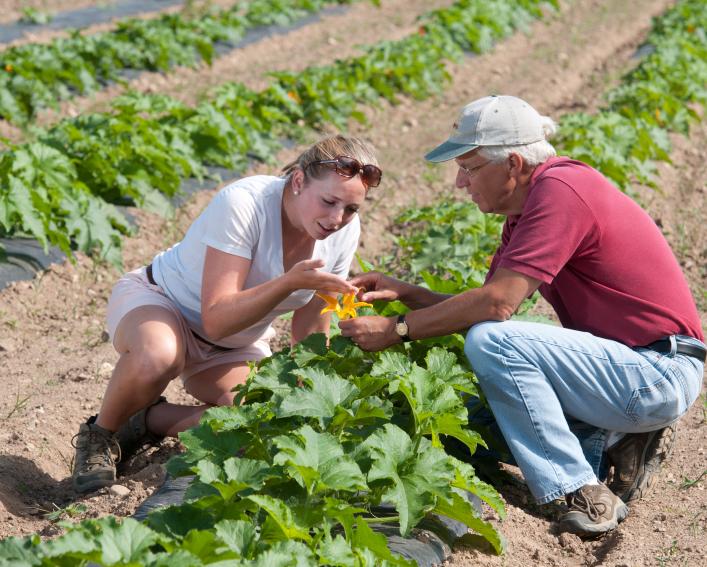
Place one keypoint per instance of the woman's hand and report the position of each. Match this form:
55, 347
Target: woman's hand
307, 275
374, 285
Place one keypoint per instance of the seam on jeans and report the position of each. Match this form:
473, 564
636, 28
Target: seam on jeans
680, 378
530, 413
620, 411
659, 385
566, 347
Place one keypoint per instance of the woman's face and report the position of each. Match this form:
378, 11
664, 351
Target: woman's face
328, 204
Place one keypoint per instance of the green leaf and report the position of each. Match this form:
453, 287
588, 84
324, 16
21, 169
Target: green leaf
336, 552
459, 508
317, 461
239, 536
391, 364
285, 554
283, 523
413, 477
365, 538
319, 398
465, 478
126, 542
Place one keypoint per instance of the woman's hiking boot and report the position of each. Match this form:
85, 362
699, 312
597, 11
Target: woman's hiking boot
134, 435
636, 459
97, 453
98, 450
593, 510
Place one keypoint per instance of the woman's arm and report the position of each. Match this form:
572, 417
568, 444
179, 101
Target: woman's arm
307, 320
226, 308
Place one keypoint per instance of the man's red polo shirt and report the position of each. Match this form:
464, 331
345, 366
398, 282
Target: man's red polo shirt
605, 266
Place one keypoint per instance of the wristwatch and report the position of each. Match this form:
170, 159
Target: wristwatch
401, 328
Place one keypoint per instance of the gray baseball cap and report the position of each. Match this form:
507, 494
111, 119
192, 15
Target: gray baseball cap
491, 121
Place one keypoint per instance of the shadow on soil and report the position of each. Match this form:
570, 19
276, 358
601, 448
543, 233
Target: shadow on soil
26, 490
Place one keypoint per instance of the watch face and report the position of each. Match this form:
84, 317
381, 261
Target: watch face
401, 329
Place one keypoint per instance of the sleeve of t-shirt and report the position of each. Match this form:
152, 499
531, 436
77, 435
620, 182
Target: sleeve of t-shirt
232, 223
347, 249
555, 225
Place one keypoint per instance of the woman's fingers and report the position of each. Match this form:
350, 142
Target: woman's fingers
309, 264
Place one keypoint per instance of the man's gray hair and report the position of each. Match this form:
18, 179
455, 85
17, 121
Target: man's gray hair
533, 154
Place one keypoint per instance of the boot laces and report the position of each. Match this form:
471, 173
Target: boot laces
582, 502
99, 447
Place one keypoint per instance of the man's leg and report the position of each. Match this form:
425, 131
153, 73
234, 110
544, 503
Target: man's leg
534, 376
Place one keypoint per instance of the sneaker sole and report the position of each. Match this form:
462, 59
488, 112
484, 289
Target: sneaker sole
576, 526
95, 483
656, 452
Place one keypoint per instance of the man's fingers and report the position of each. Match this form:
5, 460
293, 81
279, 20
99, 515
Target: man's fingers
384, 295
364, 280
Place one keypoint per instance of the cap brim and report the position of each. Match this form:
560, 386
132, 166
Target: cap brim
448, 150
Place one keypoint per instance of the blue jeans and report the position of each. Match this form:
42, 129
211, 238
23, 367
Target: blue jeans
556, 394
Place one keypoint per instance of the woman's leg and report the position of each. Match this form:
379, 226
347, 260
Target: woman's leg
212, 386
150, 342
152, 353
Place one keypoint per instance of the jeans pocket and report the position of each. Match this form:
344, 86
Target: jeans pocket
657, 404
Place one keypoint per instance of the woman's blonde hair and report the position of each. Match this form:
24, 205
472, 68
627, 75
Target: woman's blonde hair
329, 148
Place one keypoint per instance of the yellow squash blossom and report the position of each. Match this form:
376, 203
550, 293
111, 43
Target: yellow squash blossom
347, 308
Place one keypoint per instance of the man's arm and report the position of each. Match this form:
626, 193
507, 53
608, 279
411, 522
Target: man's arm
496, 300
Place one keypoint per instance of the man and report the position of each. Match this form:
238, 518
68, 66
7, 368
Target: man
629, 357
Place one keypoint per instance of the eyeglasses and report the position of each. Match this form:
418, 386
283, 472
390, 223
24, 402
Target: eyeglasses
472, 171
347, 166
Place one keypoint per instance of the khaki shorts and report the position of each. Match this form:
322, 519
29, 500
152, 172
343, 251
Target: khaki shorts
133, 290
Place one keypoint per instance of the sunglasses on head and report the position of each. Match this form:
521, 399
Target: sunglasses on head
348, 167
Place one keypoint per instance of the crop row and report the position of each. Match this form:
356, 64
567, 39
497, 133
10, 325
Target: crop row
34, 76
326, 434
664, 94
448, 244
57, 189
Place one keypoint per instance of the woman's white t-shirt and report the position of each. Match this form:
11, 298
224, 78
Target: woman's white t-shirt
245, 219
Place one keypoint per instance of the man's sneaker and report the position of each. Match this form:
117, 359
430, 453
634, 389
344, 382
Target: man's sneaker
593, 510
636, 459
96, 455
134, 435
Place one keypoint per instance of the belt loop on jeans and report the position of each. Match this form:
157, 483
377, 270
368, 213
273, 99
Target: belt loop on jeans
673, 346
148, 273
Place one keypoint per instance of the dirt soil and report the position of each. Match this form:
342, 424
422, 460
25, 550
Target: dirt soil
56, 362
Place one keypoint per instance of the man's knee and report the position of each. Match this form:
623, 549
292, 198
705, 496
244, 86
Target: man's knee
481, 345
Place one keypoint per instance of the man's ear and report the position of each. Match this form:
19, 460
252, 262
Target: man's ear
515, 165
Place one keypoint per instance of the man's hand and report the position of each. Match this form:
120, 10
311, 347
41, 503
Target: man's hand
371, 333
374, 285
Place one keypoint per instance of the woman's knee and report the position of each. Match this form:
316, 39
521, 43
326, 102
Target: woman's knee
158, 360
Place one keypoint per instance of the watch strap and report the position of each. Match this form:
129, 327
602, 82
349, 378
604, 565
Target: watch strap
406, 336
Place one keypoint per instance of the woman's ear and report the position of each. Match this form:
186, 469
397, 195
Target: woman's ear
297, 181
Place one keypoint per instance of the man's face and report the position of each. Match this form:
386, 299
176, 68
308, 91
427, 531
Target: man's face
489, 184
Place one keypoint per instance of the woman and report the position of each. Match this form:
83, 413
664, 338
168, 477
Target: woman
203, 308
